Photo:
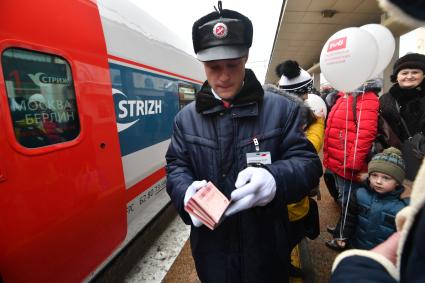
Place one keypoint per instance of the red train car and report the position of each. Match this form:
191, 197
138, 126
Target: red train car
88, 92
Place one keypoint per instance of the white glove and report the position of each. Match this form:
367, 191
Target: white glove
191, 190
254, 187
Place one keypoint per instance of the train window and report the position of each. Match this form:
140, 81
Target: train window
116, 77
147, 81
186, 94
41, 97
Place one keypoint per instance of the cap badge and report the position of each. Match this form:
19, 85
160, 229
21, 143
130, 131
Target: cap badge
220, 30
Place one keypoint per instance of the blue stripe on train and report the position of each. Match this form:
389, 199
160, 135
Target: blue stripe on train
145, 106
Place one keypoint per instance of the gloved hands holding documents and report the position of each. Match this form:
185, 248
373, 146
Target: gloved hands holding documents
254, 187
191, 190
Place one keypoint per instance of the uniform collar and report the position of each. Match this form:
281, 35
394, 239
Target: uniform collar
251, 92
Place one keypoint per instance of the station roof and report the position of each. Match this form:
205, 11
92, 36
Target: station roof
305, 25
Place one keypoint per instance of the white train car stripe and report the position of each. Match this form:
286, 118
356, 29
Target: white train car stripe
146, 159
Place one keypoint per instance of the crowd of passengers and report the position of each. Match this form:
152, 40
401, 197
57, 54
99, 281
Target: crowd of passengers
372, 146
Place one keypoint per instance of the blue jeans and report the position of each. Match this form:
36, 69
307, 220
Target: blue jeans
343, 186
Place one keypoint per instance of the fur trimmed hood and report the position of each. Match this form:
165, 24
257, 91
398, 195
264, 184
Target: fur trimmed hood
411, 12
307, 114
292, 97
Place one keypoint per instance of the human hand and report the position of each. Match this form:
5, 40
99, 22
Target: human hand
191, 190
361, 177
389, 248
254, 187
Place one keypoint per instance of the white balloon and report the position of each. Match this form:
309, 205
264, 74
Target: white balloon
317, 104
386, 46
348, 58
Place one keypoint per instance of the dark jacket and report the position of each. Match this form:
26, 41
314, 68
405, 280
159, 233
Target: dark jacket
210, 143
411, 104
370, 217
367, 266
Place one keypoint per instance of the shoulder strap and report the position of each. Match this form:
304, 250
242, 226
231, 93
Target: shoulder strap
402, 120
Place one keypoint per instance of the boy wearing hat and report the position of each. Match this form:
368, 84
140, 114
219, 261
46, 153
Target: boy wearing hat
370, 218
246, 141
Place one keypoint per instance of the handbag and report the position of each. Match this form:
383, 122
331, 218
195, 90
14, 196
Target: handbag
413, 150
415, 143
387, 136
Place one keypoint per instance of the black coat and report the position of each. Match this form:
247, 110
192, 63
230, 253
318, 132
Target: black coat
411, 104
392, 132
210, 143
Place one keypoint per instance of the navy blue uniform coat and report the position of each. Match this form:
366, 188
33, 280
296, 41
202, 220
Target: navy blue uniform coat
210, 143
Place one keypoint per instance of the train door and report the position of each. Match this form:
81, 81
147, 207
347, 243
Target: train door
62, 194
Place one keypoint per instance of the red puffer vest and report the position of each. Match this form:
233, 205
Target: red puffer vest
341, 118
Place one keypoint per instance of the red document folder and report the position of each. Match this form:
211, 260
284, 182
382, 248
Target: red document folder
208, 205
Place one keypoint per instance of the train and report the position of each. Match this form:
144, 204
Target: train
88, 93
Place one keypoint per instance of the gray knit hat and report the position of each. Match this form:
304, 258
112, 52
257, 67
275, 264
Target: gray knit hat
389, 162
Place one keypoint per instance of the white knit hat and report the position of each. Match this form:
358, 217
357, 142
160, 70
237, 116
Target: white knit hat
293, 78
